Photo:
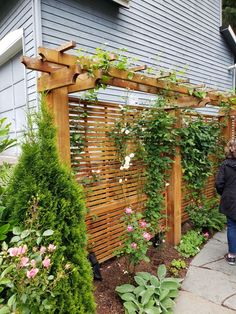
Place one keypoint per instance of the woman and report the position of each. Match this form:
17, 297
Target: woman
226, 187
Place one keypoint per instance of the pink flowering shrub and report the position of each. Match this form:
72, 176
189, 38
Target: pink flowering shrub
27, 278
136, 239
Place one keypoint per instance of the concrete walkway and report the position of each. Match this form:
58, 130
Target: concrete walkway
210, 284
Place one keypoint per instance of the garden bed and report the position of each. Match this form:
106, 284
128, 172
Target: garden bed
113, 273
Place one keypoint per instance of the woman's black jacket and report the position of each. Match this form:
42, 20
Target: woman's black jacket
226, 187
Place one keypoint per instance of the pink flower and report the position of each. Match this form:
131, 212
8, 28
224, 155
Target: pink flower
32, 273
42, 249
13, 251
46, 262
24, 261
51, 248
134, 245
200, 207
22, 249
128, 210
130, 228
147, 236
206, 234
33, 263
143, 223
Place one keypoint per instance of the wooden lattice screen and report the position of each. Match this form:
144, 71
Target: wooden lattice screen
209, 191
97, 167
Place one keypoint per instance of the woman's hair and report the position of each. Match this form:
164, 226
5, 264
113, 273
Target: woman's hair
230, 149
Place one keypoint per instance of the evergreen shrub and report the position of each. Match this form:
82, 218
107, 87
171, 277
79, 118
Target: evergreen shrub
61, 207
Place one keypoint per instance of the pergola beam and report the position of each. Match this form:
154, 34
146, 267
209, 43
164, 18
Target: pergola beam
63, 69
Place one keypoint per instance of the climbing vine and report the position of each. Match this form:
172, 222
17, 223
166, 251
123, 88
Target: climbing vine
155, 142
199, 143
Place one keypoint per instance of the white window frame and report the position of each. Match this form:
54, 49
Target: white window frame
10, 45
124, 3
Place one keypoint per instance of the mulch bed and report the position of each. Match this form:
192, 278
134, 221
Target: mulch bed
113, 273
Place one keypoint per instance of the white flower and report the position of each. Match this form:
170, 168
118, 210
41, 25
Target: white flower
126, 166
126, 132
143, 129
167, 184
93, 171
121, 168
120, 180
98, 171
131, 155
127, 159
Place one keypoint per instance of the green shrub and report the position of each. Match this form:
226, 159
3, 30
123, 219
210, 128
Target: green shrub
5, 141
205, 214
151, 295
39, 174
176, 265
190, 242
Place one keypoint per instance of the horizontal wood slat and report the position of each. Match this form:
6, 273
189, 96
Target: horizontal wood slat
97, 167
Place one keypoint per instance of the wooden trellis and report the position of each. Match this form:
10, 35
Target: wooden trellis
63, 74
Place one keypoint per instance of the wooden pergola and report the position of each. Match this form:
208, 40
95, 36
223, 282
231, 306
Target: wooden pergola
64, 73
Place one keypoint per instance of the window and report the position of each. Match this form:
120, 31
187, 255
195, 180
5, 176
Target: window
124, 3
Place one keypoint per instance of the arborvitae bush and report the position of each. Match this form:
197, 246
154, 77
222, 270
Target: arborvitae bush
39, 174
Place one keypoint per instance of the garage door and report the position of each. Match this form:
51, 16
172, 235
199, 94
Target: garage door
12, 98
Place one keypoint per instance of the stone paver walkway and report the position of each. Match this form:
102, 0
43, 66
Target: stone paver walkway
210, 284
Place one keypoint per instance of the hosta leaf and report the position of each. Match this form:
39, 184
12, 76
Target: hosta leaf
131, 307
146, 296
140, 281
161, 271
173, 293
137, 291
153, 310
164, 293
154, 281
146, 276
167, 303
128, 296
170, 284
125, 288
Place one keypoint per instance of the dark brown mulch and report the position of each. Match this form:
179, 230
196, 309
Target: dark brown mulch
113, 273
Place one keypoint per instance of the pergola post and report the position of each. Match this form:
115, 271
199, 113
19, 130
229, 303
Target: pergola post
174, 194
57, 101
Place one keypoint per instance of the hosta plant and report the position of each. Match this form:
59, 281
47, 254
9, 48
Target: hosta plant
151, 294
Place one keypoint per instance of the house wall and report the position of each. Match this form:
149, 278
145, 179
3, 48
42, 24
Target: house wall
165, 34
17, 84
